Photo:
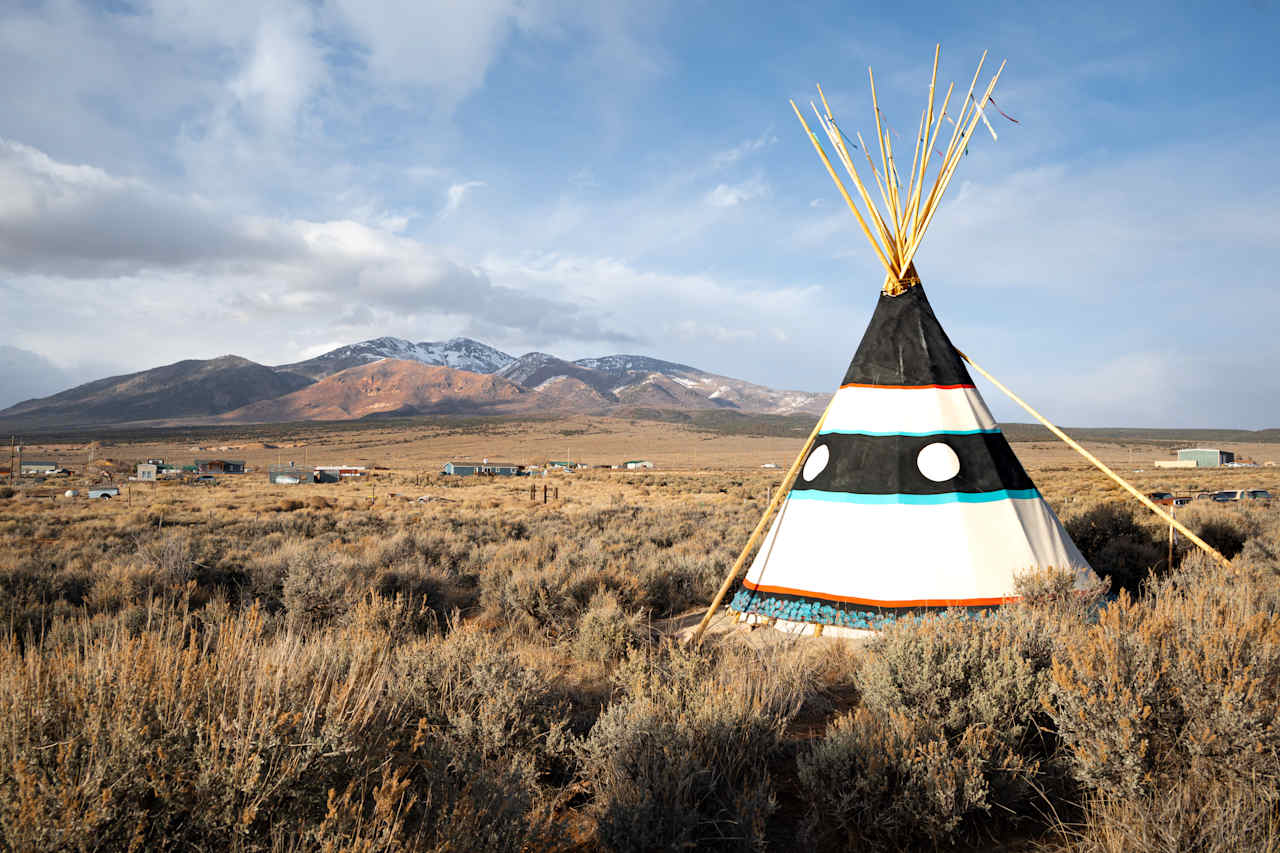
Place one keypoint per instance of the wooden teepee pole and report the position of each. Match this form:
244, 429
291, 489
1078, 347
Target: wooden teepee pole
783, 488
838, 142
844, 192
1098, 463
944, 179
886, 158
935, 192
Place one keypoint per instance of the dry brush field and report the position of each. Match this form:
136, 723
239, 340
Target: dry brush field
344, 666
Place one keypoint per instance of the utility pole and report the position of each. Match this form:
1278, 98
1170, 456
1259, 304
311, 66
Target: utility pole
10, 460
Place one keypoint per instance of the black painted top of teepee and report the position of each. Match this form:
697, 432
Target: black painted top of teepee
905, 345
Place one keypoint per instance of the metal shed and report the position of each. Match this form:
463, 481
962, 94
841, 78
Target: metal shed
1206, 457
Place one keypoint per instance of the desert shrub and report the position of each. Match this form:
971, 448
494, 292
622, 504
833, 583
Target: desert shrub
962, 671
315, 588
478, 697
605, 631
1227, 535
168, 556
6, 492
1262, 552
675, 583
1117, 546
891, 781
1210, 815
1060, 591
679, 760
1184, 682
25, 583
442, 595
950, 728
236, 739
397, 617
549, 598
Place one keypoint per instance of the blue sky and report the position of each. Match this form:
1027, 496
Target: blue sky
183, 179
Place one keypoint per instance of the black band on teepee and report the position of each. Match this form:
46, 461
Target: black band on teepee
888, 465
905, 345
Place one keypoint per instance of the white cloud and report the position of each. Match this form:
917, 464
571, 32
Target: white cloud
77, 240
456, 193
283, 68
744, 149
732, 195
444, 46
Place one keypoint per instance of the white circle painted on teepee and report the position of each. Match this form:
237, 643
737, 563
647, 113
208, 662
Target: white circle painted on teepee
938, 462
817, 461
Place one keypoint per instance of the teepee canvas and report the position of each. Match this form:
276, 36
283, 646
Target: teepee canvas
907, 496
910, 497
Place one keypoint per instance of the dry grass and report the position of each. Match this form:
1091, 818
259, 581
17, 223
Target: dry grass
342, 667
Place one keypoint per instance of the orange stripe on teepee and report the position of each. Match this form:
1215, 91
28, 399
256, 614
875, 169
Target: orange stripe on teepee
904, 387
849, 599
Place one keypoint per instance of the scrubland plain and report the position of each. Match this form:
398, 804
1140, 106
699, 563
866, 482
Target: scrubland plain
345, 666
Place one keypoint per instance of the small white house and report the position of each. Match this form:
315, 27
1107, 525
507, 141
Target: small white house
637, 464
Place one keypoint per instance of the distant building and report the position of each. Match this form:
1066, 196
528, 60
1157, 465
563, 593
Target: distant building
34, 467
289, 475
471, 469
147, 472
334, 473
1206, 457
637, 464
219, 466
564, 466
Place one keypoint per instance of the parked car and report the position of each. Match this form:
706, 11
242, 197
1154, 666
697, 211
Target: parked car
1181, 501
1204, 496
1165, 498
206, 480
1229, 496
1259, 495
104, 492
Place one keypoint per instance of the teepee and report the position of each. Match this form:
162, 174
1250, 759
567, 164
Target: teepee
907, 496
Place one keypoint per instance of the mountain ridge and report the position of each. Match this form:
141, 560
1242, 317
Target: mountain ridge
195, 389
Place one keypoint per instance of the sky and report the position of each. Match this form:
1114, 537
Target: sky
276, 178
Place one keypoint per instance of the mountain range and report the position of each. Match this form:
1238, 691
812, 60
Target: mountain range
392, 376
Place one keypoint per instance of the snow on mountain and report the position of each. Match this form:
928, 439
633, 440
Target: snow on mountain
458, 353
535, 368
619, 365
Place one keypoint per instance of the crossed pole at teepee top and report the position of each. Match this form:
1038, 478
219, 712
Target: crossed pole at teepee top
895, 236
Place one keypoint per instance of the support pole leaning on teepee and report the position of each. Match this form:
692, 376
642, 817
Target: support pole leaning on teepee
1098, 463
783, 488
